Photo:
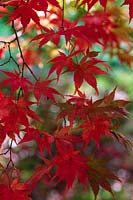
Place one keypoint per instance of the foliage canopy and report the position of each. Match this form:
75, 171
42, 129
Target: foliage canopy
61, 37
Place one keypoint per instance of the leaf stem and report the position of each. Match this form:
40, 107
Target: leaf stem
21, 55
10, 156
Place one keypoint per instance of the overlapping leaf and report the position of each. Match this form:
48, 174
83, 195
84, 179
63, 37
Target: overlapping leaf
18, 115
42, 88
49, 34
70, 164
96, 118
100, 175
87, 70
65, 135
26, 10
16, 81
15, 191
94, 128
43, 139
59, 63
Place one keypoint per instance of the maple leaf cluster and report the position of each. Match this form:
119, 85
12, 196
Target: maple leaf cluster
79, 120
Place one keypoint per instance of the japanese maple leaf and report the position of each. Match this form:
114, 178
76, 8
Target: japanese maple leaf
76, 31
25, 11
8, 125
5, 107
59, 63
16, 81
94, 128
87, 70
18, 114
15, 191
100, 175
88, 34
42, 88
70, 165
43, 139
75, 107
67, 110
49, 35
65, 135
130, 3
85, 33
22, 106
114, 108
100, 118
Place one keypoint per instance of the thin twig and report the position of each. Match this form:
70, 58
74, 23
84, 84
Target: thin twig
11, 57
10, 156
21, 54
10, 54
4, 63
4, 153
31, 71
19, 47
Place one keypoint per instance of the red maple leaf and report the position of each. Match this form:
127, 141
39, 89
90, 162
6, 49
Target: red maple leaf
65, 135
6, 102
16, 81
22, 106
26, 10
15, 191
75, 107
67, 110
42, 88
85, 33
70, 165
18, 114
95, 118
93, 129
87, 70
49, 34
43, 139
59, 63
